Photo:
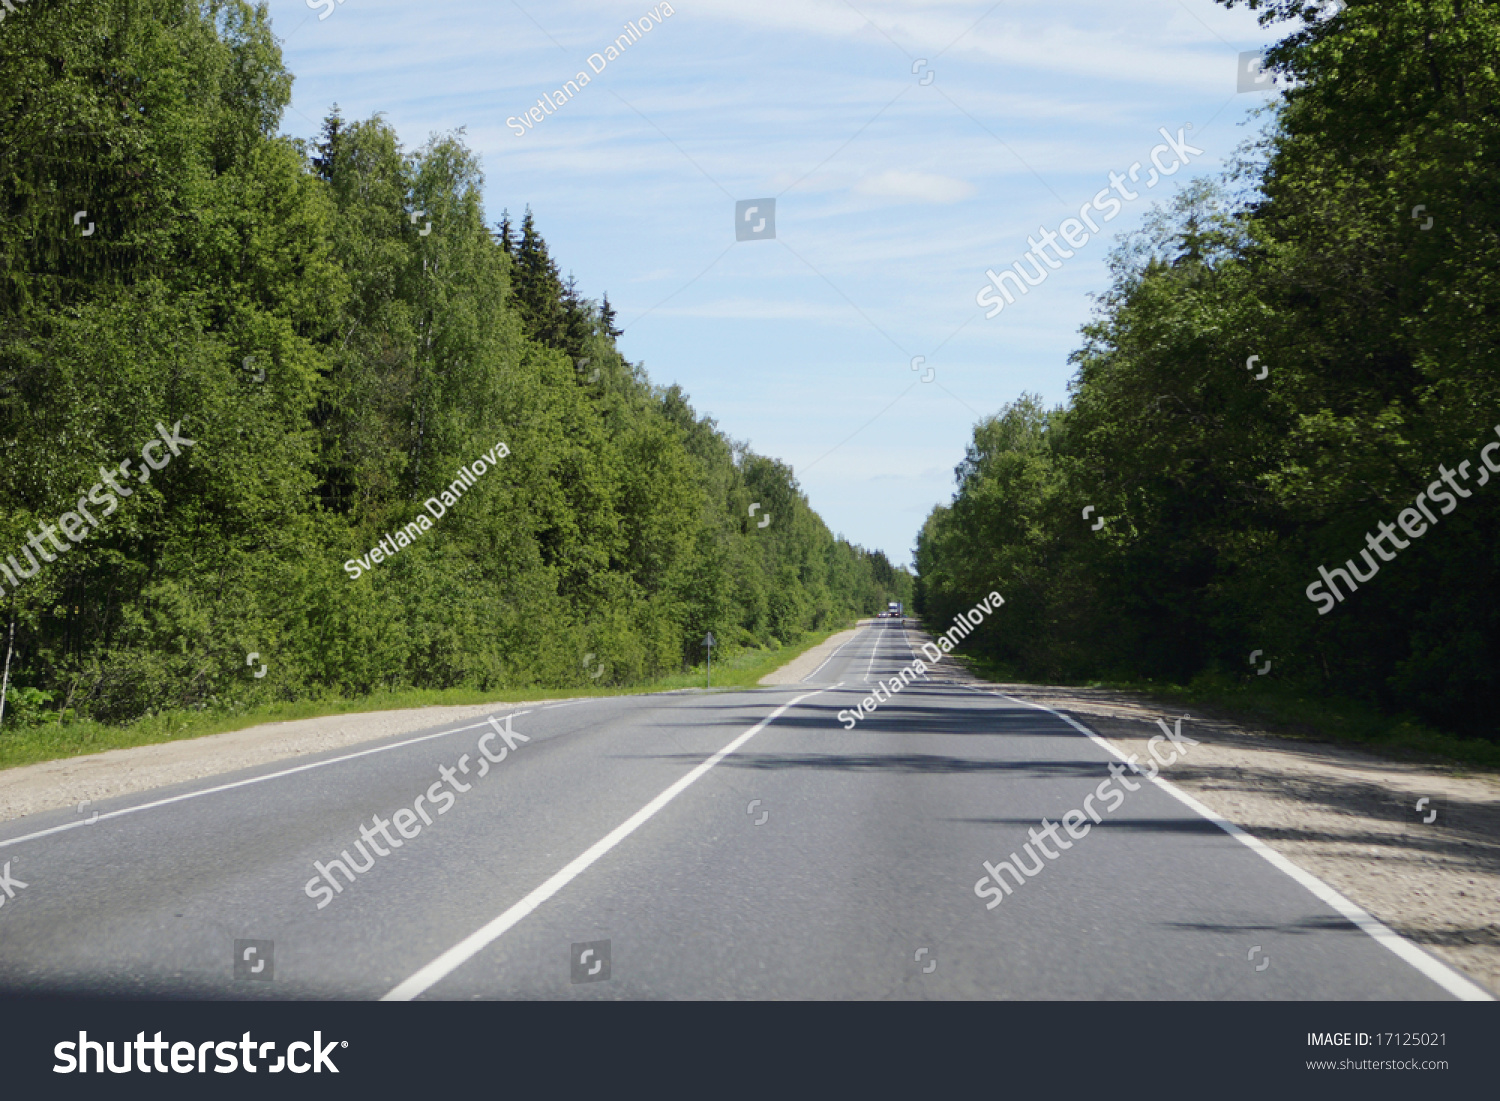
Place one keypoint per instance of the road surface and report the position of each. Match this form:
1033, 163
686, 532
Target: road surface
727, 844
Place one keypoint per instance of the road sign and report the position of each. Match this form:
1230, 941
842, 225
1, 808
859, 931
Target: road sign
708, 641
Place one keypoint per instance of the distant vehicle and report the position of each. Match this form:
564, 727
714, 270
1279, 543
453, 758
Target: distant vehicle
895, 609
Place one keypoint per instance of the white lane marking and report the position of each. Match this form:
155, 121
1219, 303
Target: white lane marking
873, 651
253, 780
303, 768
292, 771
906, 638
477, 941
1439, 972
829, 658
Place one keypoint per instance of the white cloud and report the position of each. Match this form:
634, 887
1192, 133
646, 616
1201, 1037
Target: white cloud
896, 193
1148, 41
927, 187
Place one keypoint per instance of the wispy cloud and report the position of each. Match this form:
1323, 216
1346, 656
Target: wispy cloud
924, 187
898, 194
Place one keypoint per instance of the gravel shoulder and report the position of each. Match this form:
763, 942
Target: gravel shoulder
805, 664
51, 785
1345, 815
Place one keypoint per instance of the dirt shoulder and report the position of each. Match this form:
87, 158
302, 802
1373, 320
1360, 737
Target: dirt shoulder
1345, 815
50, 785
804, 665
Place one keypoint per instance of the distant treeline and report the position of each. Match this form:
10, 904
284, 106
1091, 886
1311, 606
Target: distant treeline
168, 258
1353, 258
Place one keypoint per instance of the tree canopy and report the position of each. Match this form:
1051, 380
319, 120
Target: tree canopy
1355, 252
339, 330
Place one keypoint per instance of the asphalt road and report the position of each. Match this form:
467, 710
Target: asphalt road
808, 861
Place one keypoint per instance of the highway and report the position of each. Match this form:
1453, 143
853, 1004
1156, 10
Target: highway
737, 844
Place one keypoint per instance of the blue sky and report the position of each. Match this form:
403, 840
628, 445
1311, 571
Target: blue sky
893, 196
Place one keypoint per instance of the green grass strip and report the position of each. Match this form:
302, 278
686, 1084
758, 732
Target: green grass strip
55, 741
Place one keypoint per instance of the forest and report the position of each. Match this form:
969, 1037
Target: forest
1291, 377
339, 329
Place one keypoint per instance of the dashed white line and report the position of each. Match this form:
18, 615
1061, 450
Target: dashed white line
873, 651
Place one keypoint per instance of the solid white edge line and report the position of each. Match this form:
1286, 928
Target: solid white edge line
477, 941
292, 771
251, 780
829, 658
1433, 968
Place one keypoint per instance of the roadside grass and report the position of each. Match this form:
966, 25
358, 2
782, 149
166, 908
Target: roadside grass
1294, 712
744, 669
55, 741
